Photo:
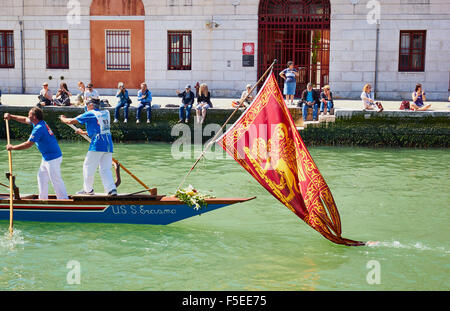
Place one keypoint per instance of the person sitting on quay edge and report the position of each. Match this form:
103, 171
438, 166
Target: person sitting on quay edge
124, 101
187, 100
326, 100
419, 97
145, 100
62, 97
90, 95
310, 99
246, 98
80, 96
45, 96
368, 99
203, 102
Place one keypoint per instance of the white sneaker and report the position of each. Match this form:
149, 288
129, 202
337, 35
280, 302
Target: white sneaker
82, 192
328, 113
116, 121
148, 121
137, 121
125, 121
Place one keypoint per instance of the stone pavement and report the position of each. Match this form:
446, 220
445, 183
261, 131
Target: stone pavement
221, 103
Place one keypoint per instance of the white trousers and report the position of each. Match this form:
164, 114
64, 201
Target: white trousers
102, 160
51, 171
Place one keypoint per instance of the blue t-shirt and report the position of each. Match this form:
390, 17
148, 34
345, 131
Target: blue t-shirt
290, 75
45, 141
309, 97
146, 100
98, 127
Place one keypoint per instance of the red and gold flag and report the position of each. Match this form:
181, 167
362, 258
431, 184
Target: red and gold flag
266, 143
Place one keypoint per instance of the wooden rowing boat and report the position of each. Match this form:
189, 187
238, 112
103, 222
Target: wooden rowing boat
131, 209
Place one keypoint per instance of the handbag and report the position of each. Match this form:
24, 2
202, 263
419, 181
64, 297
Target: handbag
129, 102
404, 105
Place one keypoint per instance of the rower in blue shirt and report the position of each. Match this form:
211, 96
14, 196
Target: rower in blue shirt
43, 137
100, 152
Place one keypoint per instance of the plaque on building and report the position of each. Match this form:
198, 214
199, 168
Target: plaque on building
248, 54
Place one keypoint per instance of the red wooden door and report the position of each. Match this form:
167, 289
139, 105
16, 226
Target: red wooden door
298, 31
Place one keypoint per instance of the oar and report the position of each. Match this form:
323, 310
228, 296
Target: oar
152, 191
11, 195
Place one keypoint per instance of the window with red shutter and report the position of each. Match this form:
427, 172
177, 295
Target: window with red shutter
412, 50
179, 50
57, 49
6, 49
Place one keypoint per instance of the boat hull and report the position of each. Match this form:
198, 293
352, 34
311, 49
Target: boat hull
131, 214
156, 212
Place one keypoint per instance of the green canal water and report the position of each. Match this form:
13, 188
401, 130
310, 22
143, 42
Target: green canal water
399, 197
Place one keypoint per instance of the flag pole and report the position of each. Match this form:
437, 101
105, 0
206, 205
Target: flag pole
212, 141
11, 195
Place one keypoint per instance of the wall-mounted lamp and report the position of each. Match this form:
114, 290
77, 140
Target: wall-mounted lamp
211, 24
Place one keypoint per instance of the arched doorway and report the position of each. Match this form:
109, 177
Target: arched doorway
297, 30
117, 43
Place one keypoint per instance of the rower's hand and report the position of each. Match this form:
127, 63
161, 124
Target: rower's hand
9, 147
7, 116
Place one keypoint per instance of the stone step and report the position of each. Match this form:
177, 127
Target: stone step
325, 118
311, 123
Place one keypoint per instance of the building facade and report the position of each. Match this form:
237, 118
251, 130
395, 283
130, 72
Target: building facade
392, 44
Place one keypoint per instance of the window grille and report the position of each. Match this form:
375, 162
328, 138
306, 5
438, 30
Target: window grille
118, 50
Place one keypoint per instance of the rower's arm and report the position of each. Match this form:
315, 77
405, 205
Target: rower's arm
20, 119
22, 146
68, 120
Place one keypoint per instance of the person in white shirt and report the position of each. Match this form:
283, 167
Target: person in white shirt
90, 93
45, 95
246, 98
368, 99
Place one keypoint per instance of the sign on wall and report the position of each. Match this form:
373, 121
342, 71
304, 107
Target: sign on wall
248, 54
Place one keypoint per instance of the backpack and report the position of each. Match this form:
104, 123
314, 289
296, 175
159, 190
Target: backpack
404, 105
104, 103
